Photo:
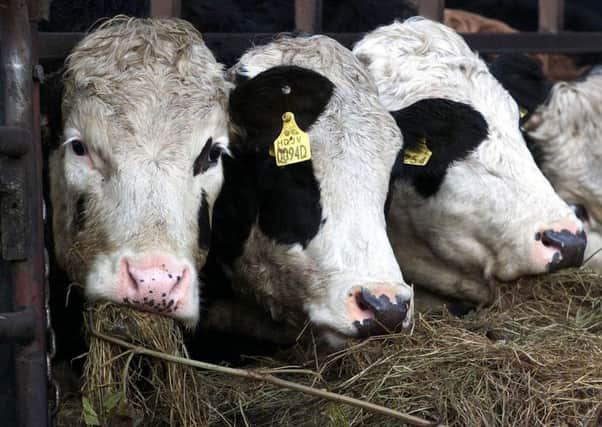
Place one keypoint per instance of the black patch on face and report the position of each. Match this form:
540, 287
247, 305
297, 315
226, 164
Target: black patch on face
204, 236
451, 129
201, 163
208, 157
79, 217
257, 105
524, 79
284, 201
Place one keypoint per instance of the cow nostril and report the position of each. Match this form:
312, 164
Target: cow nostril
133, 281
570, 246
562, 239
554, 239
388, 315
360, 302
548, 239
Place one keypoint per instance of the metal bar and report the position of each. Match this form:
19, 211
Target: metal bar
58, 45
431, 9
308, 16
30, 359
535, 42
165, 8
551, 16
18, 326
14, 141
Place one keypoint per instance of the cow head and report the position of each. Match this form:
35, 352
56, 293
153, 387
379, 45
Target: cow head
135, 177
468, 205
563, 128
308, 240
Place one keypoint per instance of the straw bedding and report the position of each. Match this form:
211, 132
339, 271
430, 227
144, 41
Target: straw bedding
533, 358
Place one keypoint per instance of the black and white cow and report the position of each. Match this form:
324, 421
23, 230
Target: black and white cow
308, 240
562, 123
468, 205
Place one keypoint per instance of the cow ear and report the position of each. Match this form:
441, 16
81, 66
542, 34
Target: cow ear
257, 104
524, 79
436, 132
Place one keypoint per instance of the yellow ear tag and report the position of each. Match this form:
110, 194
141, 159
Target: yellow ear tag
522, 112
418, 157
292, 145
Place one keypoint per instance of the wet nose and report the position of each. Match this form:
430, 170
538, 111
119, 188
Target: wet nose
379, 311
570, 248
562, 245
154, 282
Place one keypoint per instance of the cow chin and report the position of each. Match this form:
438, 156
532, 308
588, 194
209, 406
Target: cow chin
156, 282
336, 338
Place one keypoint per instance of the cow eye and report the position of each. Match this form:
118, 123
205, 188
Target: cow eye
78, 147
580, 211
209, 156
214, 153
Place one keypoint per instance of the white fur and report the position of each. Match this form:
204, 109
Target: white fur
144, 96
567, 130
480, 226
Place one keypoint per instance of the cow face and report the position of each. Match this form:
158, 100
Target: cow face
477, 210
308, 240
134, 181
565, 134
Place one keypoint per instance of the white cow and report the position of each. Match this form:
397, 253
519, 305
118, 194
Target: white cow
563, 126
138, 170
468, 205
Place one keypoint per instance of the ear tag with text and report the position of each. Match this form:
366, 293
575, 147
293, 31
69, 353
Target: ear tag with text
292, 145
418, 157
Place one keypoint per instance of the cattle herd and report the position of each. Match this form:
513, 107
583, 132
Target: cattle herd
313, 183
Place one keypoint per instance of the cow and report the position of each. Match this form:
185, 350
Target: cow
468, 206
307, 240
138, 168
561, 123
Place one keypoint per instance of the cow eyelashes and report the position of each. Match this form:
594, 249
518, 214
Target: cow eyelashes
208, 158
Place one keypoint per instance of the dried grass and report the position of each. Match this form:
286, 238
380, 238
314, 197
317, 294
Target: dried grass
533, 358
121, 387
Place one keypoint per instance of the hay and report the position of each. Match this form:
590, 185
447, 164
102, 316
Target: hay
120, 386
533, 358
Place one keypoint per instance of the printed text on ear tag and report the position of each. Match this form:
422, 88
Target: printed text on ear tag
292, 145
418, 157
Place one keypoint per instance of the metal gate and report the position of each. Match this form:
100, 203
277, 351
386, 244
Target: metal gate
22, 296
25, 355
